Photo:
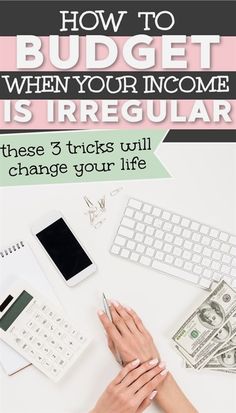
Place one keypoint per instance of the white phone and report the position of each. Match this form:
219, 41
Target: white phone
64, 249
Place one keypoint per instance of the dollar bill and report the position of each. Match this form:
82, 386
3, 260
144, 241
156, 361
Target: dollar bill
227, 335
224, 361
199, 338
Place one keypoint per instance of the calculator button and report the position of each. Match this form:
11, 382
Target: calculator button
60, 348
45, 350
68, 354
61, 362
55, 370
39, 358
46, 364
53, 357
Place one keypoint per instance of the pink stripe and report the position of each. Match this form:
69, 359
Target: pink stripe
223, 58
39, 119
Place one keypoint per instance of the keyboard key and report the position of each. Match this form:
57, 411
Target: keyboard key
134, 256
158, 223
216, 255
149, 230
158, 244
129, 212
159, 234
233, 272
207, 252
233, 251
216, 276
188, 266
215, 265
175, 219
120, 241
148, 241
147, 208
127, 222
187, 255
178, 262
156, 212
115, 249
178, 241
148, 219
167, 226
194, 226
177, 230
207, 273
186, 233
196, 237
205, 240
130, 245
204, 229
139, 237
167, 247
197, 269
177, 251
140, 227
145, 261
150, 252
159, 255
225, 269
169, 238
185, 222
180, 273
223, 236
140, 248
214, 233
226, 259
188, 245
196, 258
232, 240
215, 244
169, 259
225, 248
133, 203
138, 216
166, 215
198, 248
125, 253
206, 262
126, 232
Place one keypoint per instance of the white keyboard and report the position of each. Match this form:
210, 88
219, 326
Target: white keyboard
174, 244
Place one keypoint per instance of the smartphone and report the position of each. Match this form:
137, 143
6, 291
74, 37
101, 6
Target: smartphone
64, 249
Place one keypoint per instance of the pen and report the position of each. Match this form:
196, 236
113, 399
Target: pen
108, 313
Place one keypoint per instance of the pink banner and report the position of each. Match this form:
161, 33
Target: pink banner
222, 56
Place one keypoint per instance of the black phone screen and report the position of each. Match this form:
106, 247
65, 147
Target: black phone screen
64, 249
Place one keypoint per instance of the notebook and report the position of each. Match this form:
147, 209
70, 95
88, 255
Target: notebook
18, 261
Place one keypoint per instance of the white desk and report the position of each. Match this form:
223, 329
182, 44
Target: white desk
203, 186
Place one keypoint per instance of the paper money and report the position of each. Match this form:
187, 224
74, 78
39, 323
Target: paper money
224, 361
201, 336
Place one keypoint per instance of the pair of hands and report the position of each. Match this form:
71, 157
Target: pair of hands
135, 387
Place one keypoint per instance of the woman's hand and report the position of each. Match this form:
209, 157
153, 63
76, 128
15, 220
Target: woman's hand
133, 389
127, 335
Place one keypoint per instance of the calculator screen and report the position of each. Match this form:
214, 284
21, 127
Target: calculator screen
15, 310
64, 249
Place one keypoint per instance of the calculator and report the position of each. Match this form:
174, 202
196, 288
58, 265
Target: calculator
37, 330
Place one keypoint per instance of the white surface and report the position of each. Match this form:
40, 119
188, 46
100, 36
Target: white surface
202, 187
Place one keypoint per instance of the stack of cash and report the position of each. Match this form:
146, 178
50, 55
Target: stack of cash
207, 339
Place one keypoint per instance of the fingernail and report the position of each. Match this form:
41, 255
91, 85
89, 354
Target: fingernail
153, 395
162, 364
136, 362
115, 303
127, 308
100, 312
163, 372
153, 362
